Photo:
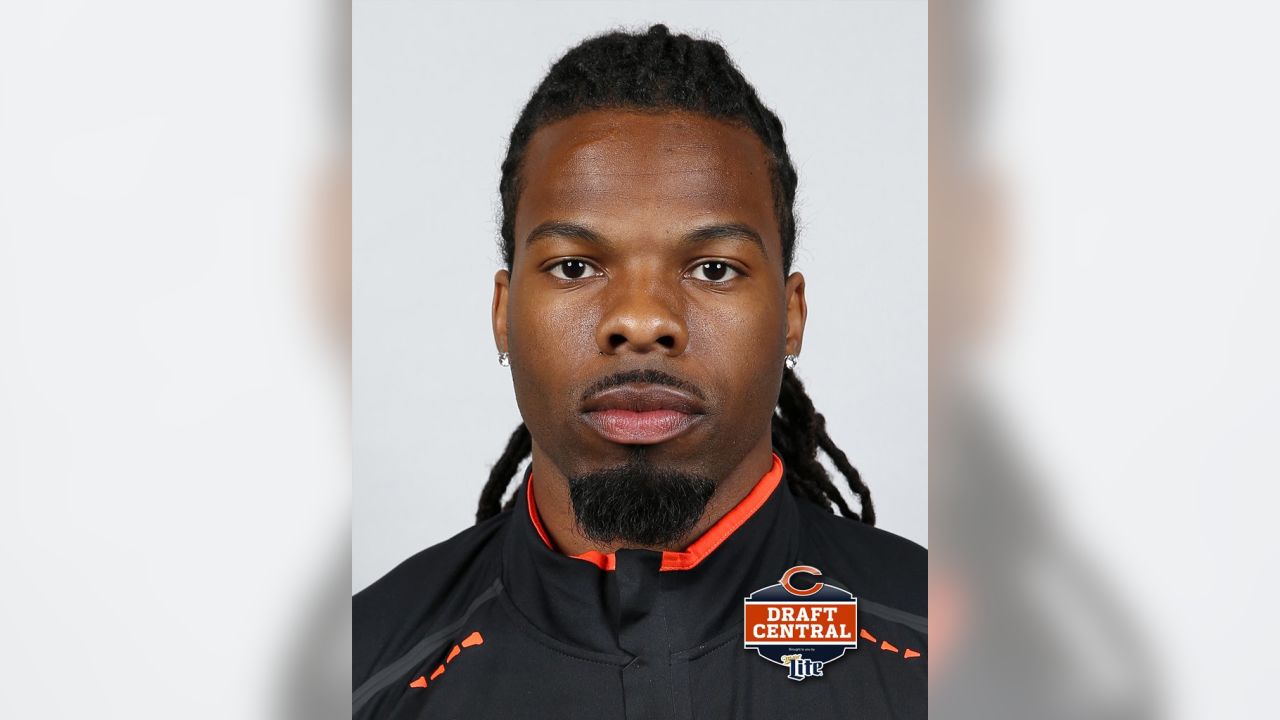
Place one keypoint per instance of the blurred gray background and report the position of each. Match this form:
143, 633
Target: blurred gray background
437, 87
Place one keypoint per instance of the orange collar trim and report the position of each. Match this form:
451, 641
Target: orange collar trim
703, 546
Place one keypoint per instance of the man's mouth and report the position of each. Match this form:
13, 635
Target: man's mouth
641, 414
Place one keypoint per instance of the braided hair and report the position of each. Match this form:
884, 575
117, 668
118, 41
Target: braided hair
657, 70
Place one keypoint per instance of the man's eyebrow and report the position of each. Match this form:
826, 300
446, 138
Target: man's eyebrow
727, 231
558, 228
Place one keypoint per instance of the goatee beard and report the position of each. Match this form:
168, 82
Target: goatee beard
638, 504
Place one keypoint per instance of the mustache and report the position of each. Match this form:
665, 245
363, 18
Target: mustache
647, 376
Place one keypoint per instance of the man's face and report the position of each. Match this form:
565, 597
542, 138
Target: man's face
646, 311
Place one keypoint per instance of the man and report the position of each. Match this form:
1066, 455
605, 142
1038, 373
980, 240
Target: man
669, 516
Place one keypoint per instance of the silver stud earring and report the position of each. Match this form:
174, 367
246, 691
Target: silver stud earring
790, 361
504, 359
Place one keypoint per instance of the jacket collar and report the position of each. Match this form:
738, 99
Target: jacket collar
697, 551
587, 601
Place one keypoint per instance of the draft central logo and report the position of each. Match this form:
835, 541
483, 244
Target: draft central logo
801, 628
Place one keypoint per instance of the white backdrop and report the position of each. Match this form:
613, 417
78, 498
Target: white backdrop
437, 87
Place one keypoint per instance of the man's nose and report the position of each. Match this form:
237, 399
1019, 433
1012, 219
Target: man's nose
642, 314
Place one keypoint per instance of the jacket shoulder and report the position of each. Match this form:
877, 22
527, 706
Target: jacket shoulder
426, 590
883, 567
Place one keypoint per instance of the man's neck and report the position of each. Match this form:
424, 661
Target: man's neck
556, 511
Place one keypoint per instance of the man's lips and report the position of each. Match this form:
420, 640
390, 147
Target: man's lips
641, 414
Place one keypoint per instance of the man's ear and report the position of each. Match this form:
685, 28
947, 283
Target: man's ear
501, 286
797, 312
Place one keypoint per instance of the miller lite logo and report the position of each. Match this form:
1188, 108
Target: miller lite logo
802, 625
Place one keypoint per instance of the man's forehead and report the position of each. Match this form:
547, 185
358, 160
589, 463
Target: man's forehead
610, 160
594, 135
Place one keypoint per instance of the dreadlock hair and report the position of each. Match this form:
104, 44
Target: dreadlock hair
658, 71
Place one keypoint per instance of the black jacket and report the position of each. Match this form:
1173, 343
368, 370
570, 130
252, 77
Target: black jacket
493, 623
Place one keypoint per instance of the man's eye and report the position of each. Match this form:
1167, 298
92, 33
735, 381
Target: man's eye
714, 271
573, 270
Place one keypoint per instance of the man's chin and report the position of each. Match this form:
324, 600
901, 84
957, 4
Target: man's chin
641, 502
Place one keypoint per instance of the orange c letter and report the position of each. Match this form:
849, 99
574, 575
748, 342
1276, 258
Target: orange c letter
797, 570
